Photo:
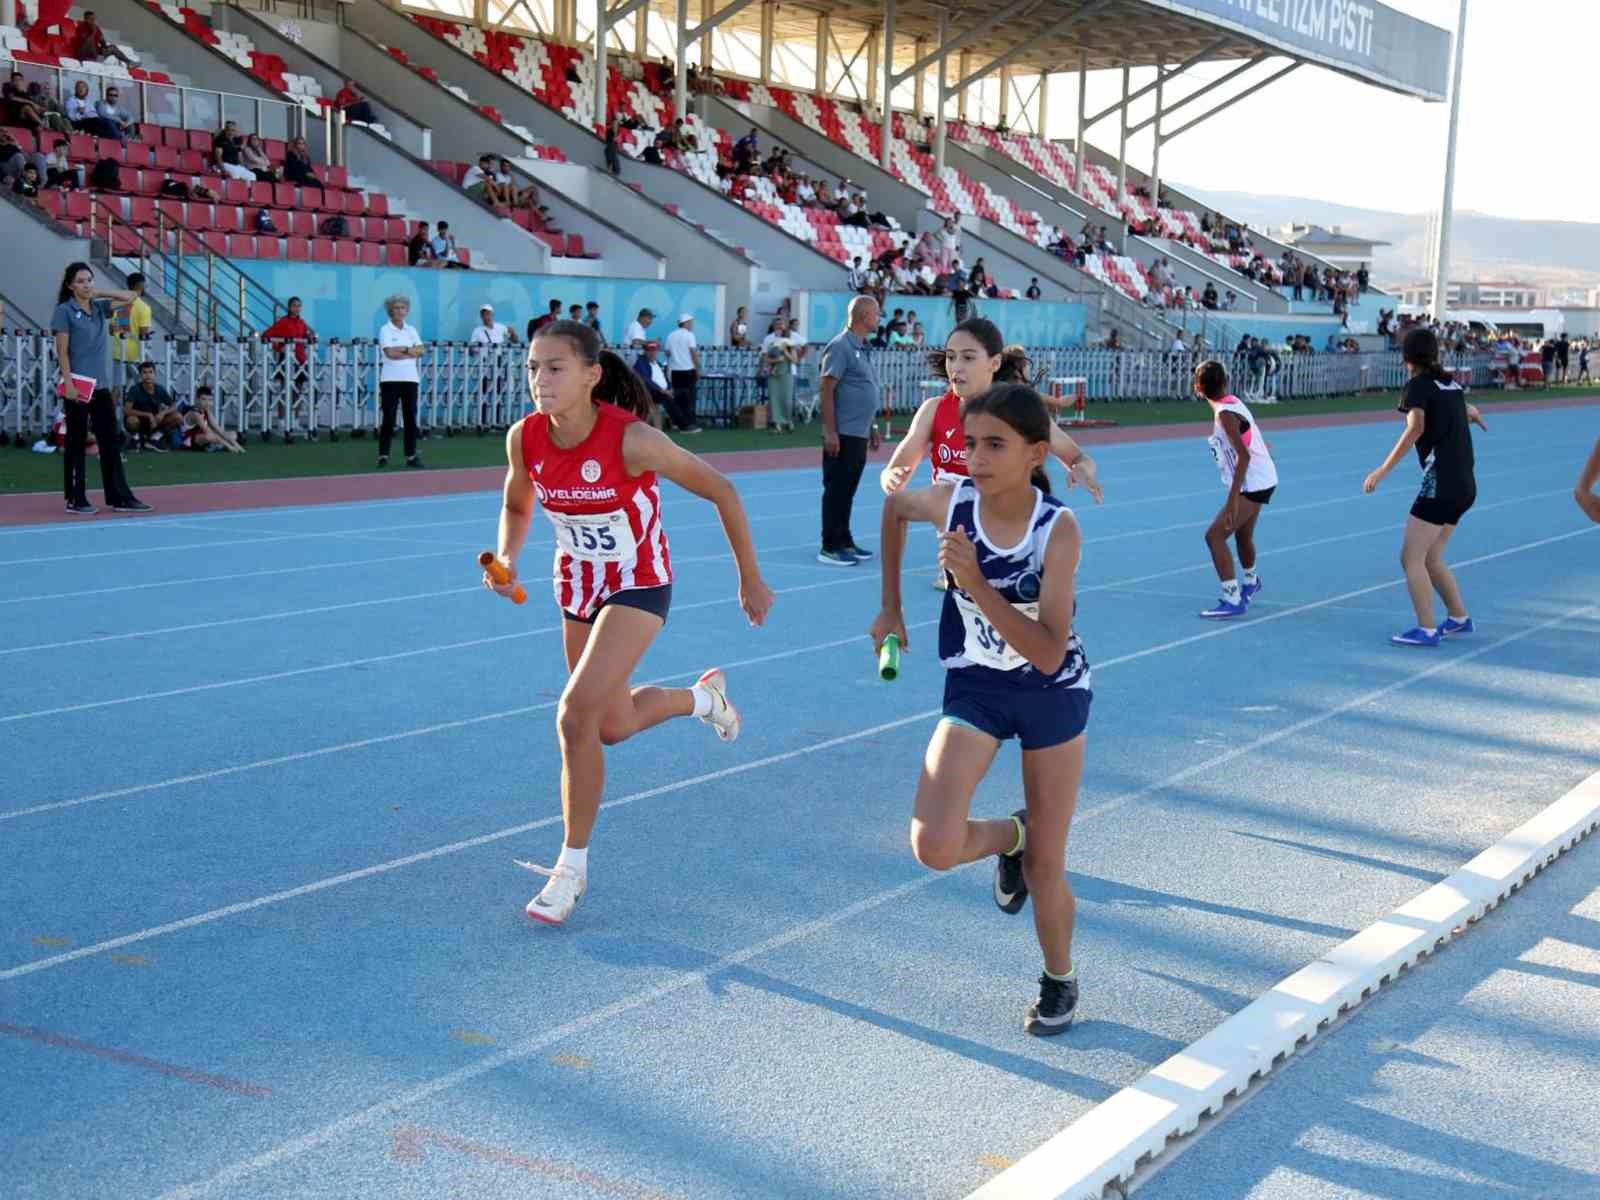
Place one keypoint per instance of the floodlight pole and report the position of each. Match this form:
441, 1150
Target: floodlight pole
1441, 266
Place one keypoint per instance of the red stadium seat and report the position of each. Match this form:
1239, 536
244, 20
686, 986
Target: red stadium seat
235, 191
149, 134
171, 211
191, 161
80, 145
394, 229
266, 246
141, 210
178, 139
242, 245
297, 249
346, 251
283, 195
264, 195
124, 240
301, 224
216, 242
197, 139
323, 251
371, 254
354, 203
395, 255
377, 204
166, 158
78, 206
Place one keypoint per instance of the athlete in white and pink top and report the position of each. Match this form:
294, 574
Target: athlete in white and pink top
974, 359
1250, 476
590, 461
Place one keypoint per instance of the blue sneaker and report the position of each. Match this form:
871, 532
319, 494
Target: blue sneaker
856, 551
1416, 636
837, 558
1250, 589
1452, 626
1222, 610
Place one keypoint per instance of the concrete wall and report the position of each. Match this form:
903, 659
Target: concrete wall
36, 255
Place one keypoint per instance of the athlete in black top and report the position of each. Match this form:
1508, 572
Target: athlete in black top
1437, 416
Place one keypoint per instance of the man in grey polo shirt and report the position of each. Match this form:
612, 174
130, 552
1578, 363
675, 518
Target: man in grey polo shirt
851, 395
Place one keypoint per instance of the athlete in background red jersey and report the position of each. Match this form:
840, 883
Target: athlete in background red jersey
589, 459
974, 359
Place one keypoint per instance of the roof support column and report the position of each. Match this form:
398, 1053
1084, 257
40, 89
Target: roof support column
1122, 145
918, 101
940, 95
769, 13
1441, 262
871, 47
641, 34
680, 87
708, 22
888, 83
1044, 105
963, 68
1155, 162
824, 35
1005, 96
1083, 105
601, 113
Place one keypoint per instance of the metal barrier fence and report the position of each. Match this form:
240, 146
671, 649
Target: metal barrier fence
297, 390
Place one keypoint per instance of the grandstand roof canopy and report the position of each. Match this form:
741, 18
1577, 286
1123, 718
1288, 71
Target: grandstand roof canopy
1368, 41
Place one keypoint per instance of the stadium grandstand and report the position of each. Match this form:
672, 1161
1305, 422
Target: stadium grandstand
750, 158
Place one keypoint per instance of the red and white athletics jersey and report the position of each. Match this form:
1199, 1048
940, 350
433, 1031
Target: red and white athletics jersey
608, 523
947, 447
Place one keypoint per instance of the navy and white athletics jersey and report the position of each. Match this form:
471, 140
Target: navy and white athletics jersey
967, 641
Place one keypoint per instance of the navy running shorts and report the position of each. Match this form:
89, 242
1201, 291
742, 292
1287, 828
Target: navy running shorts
1037, 717
654, 600
1264, 496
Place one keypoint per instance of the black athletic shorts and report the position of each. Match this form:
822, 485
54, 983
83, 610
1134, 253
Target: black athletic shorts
1264, 496
1442, 510
655, 600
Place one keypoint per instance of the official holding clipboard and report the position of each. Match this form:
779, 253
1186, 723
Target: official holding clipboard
84, 386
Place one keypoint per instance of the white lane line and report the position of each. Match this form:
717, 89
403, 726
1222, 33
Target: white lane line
1133, 656
416, 652
1127, 1135
310, 1141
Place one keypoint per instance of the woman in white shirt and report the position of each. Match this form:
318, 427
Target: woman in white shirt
399, 348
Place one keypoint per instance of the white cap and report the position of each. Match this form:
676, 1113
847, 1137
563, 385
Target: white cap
486, 308
685, 318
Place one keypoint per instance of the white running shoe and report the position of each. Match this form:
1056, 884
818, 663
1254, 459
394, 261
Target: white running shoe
555, 902
723, 717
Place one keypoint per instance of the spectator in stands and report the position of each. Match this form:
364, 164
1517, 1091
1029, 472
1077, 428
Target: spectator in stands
349, 101
90, 44
488, 331
549, 318
746, 152
683, 138
1230, 300
683, 360
400, 346
978, 279
253, 155
855, 279
201, 430
114, 118
45, 100
130, 325
297, 166
647, 365
79, 327
1033, 292
26, 185
613, 159
1363, 278
20, 111
511, 193
739, 330
149, 413
1210, 299
58, 168
591, 318
851, 397
480, 183
83, 114
444, 248
637, 329
419, 250
13, 158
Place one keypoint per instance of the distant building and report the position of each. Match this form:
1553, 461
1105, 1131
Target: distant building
1332, 245
1477, 293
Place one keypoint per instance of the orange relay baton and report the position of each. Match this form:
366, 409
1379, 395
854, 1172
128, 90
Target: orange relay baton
500, 575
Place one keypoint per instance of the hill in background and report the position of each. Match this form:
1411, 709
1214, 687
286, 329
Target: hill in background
1550, 253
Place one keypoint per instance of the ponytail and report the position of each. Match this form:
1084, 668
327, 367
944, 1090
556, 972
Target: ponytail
1015, 366
620, 385
1041, 480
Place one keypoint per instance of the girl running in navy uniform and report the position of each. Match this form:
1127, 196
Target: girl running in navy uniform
975, 357
1437, 418
1250, 476
590, 459
1015, 668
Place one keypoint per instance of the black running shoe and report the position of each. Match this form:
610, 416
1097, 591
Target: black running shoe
131, 506
1010, 888
1053, 1011
81, 508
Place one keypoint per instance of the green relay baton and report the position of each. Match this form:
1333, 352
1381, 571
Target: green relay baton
889, 659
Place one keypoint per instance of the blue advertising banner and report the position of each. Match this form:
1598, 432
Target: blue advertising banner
1361, 37
347, 302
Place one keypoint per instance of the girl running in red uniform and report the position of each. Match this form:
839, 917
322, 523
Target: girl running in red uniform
974, 359
587, 456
